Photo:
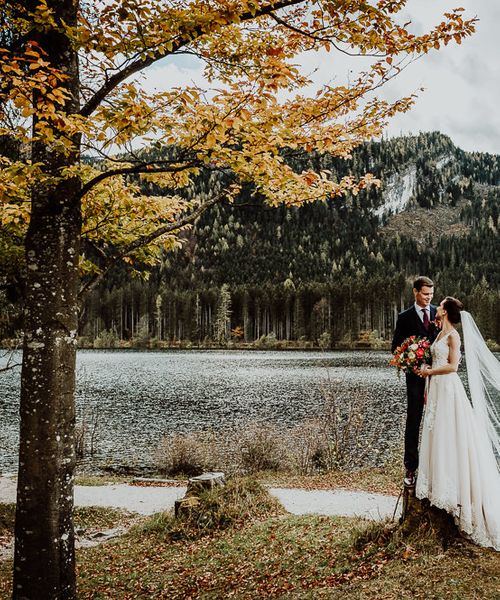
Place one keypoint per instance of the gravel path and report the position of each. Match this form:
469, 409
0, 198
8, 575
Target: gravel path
344, 503
148, 500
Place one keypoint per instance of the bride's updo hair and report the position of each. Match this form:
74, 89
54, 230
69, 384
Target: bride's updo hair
452, 306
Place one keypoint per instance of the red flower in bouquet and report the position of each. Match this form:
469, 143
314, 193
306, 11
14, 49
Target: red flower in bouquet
412, 354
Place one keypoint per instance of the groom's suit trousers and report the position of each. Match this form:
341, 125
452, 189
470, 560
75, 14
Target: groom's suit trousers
415, 397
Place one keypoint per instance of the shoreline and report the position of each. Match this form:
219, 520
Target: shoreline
183, 346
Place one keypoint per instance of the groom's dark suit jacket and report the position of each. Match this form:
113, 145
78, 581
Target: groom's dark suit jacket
409, 323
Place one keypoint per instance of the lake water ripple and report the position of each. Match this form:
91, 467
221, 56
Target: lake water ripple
138, 396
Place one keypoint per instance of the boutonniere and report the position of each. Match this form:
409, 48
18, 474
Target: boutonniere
436, 323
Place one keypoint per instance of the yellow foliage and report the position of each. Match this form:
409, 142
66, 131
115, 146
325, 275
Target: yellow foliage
252, 112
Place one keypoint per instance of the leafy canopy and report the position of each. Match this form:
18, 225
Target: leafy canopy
249, 121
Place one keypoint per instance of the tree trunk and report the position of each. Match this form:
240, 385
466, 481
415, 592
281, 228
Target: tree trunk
44, 561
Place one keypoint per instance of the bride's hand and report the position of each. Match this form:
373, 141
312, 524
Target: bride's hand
424, 371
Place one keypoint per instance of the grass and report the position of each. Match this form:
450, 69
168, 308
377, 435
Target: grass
293, 557
376, 480
85, 517
240, 501
239, 544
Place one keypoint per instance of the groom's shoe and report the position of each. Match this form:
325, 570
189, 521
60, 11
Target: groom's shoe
410, 478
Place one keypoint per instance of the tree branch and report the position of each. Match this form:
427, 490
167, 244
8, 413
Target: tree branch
144, 240
316, 38
136, 169
184, 39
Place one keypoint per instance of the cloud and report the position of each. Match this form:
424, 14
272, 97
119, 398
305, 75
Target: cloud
462, 84
178, 71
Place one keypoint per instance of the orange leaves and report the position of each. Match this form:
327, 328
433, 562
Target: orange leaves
275, 52
32, 86
16, 178
237, 46
409, 553
310, 178
258, 105
44, 16
115, 212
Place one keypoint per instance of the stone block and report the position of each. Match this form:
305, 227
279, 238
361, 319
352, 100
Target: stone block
206, 481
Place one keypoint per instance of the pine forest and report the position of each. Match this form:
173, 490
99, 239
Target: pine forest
332, 274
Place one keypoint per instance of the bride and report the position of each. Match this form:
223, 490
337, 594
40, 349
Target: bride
458, 470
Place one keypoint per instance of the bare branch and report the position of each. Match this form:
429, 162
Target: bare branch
10, 359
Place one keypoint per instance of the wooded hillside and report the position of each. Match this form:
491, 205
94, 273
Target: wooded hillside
325, 273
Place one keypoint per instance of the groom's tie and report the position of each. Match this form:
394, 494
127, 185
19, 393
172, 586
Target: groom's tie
426, 319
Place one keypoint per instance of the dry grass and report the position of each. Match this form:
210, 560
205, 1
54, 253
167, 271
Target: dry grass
368, 480
240, 501
293, 557
93, 480
335, 441
382, 480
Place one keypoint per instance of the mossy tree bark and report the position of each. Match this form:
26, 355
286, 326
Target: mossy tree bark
44, 563
420, 516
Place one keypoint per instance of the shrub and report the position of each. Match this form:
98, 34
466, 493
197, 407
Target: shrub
239, 502
86, 433
336, 440
266, 341
308, 447
188, 454
261, 448
343, 422
325, 340
106, 339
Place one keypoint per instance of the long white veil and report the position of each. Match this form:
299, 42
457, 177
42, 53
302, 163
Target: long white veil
483, 373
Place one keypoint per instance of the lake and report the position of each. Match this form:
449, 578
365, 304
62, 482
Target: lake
138, 396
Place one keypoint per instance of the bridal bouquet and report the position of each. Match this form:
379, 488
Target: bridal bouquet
412, 354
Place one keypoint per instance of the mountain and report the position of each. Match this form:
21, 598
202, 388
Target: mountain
434, 200
334, 270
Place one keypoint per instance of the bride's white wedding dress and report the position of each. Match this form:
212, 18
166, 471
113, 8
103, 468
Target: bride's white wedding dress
458, 471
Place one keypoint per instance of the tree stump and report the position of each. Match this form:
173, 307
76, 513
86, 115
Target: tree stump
196, 485
419, 516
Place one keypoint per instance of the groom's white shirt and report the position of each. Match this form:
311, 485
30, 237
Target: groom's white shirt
420, 311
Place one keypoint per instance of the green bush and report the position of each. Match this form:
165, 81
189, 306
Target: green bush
106, 339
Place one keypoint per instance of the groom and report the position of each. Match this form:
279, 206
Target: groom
415, 320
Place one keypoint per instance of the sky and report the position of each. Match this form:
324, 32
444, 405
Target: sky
461, 82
